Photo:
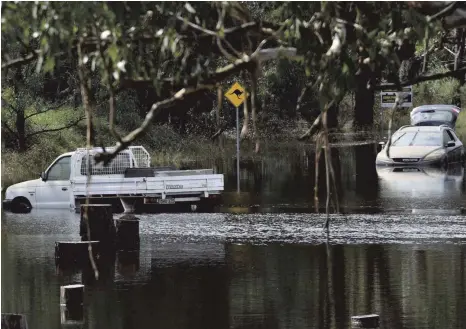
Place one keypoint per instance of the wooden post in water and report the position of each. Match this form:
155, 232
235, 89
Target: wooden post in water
101, 224
128, 262
127, 233
370, 321
74, 254
14, 321
72, 304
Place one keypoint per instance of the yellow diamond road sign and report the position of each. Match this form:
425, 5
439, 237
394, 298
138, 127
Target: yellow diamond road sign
236, 94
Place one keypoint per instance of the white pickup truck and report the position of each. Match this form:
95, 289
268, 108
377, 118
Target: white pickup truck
128, 178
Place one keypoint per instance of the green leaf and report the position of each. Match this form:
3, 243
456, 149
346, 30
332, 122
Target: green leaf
221, 33
308, 71
345, 68
49, 64
112, 51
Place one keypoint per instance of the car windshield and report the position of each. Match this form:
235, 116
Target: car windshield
416, 138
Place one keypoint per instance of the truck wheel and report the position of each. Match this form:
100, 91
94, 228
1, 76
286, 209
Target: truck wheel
21, 205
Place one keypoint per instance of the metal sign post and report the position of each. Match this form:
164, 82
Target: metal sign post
387, 101
237, 150
236, 95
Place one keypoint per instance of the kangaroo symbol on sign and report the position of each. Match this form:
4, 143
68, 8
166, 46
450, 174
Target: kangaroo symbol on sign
237, 92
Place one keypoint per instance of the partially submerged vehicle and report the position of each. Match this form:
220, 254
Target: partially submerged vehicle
429, 140
128, 178
435, 115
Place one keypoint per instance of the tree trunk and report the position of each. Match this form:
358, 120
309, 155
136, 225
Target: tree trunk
21, 129
460, 37
20, 120
364, 101
332, 117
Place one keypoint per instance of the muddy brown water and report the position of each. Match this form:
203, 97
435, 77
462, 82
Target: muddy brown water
262, 260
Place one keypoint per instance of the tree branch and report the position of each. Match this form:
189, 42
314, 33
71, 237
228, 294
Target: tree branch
106, 157
218, 133
253, 107
47, 110
315, 126
419, 79
169, 83
9, 105
72, 124
196, 27
5, 125
445, 11
241, 64
27, 59
21, 60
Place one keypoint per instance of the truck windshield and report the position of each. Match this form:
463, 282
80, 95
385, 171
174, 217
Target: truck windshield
417, 138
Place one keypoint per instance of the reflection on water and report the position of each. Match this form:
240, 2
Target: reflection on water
422, 188
285, 183
273, 270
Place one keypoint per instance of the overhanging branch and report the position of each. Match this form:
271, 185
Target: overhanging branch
21, 60
422, 78
241, 64
168, 83
26, 59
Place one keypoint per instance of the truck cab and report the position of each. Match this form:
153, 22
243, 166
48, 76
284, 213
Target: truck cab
51, 189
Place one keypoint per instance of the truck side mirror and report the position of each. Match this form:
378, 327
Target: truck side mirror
42, 176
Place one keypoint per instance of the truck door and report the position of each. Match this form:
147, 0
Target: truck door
54, 191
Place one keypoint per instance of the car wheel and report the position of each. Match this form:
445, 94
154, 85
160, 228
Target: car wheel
21, 205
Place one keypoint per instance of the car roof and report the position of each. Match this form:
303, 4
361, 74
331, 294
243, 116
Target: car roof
425, 128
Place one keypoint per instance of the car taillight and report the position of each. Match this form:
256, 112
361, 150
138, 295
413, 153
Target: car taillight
456, 110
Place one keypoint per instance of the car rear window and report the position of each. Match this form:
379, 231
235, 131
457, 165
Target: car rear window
437, 116
417, 138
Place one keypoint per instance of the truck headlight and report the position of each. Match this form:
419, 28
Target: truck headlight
434, 155
8, 194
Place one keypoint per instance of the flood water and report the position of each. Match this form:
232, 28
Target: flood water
262, 260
